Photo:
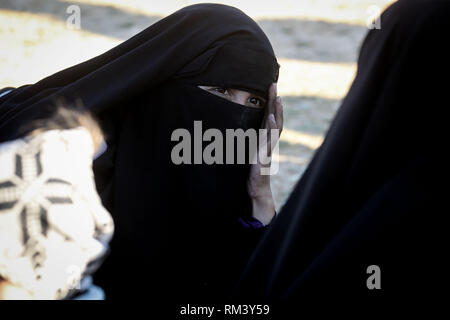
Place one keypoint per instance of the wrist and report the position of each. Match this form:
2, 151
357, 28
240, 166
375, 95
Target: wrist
263, 208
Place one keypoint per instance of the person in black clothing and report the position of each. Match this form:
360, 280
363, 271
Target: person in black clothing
182, 232
373, 198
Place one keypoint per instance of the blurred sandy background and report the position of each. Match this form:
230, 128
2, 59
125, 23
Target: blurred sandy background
316, 42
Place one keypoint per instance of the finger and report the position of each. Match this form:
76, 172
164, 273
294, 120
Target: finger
272, 122
271, 125
279, 113
264, 147
272, 98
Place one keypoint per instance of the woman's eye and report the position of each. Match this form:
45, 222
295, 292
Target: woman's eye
221, 90
255, 101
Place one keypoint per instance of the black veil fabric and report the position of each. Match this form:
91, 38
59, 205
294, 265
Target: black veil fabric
183, 43
177, 234
373, 193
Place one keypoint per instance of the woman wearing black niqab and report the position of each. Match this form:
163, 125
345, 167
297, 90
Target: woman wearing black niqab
373, 196
178, 233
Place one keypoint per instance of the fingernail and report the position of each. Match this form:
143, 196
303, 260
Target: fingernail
279, 99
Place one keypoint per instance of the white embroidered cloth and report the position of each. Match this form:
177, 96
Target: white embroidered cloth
52, 222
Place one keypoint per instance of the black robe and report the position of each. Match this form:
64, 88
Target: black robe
374, 193
177, 233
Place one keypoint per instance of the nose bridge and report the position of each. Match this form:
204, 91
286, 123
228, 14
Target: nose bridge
239, 96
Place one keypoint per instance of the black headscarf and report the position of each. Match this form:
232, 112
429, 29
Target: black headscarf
177, 231
373, 193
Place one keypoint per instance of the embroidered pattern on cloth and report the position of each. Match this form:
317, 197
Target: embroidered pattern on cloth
52, 222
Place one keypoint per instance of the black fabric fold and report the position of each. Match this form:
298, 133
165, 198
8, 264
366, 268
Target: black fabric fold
381, 161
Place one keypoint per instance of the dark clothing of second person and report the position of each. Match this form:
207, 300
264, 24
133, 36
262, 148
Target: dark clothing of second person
375, 191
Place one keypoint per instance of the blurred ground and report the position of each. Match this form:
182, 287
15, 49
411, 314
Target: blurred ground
316, 42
